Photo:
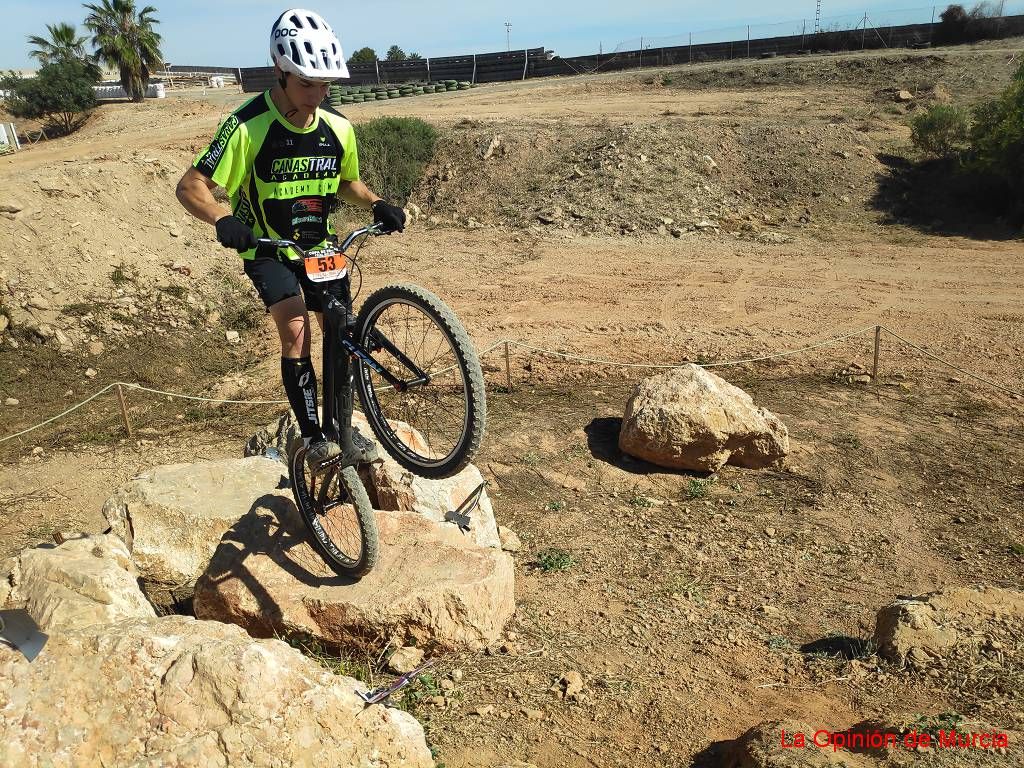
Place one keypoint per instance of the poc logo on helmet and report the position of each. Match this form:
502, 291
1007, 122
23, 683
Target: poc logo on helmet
285, 33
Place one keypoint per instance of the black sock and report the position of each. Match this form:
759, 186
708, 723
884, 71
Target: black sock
300, 383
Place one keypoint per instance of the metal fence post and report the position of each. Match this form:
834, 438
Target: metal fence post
641, 53
691, 47
376, 65
526, 60
473, 78
748, 41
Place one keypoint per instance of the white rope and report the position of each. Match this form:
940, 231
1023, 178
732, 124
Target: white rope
143, 389
955, 367
58, 416
202, 399
540, 350
723, 364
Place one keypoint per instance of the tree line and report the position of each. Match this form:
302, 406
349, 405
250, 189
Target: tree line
122, 37
395, 53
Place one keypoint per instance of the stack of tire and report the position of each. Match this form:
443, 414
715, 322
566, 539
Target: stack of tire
342, 95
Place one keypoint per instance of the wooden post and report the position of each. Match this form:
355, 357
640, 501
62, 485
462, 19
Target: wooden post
748, 41
508, 370
878, 349
124, 411
691, 47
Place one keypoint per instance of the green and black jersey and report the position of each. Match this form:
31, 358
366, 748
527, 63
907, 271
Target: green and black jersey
283, 181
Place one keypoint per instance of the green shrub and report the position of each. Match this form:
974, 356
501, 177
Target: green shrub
393, 152
997, 135
942, 131
59, 93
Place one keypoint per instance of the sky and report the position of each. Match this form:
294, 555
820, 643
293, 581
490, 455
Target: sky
233, 33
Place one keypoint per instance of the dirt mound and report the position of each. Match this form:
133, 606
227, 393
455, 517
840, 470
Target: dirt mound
672, 177
970, 71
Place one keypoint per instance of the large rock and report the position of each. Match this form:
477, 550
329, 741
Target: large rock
173, 517
80, 583
761, 747
181, 692
397, 489
920, 629
432, 586
390, 486
689, 418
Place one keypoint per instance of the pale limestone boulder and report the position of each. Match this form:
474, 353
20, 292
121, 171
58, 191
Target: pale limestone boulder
432, 587
689, 418
173, 517
390, 486
80, 583
398, 489
921, 629
187, 693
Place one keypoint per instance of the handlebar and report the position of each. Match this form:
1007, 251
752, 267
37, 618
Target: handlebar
373, 229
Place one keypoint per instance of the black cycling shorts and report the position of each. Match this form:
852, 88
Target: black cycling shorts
276, 281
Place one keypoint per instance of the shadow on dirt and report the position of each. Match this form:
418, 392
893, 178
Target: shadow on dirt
940, 198
839, 646
603, 442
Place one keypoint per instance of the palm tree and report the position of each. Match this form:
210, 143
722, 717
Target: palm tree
64, 43
124, 38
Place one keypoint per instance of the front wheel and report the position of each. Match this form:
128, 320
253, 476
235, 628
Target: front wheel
337, 512
432, 420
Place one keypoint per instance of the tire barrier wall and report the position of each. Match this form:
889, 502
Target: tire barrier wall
535, 62
154, 91
478, 68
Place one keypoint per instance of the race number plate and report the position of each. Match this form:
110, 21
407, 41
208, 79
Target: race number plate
329, 266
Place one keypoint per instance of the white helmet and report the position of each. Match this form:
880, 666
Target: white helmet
303, 43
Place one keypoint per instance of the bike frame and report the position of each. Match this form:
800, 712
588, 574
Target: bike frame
339, 334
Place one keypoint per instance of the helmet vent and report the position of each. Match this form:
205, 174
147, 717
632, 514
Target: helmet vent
309, 48
281, 50
294, 19
296, 56
312, 22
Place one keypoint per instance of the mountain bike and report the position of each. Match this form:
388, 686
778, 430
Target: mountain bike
419, 383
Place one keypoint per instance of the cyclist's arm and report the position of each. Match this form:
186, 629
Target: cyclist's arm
195, 193
356, 193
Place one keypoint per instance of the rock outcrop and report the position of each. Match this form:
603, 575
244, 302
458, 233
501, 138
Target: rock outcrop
80, 583
176, 691
172, 518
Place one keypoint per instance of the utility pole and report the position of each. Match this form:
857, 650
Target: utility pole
508, 36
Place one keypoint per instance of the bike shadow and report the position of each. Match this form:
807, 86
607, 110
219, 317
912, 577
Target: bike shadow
271, 529
603, 442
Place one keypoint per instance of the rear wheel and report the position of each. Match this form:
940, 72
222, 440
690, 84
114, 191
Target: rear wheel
432, 423
337, 512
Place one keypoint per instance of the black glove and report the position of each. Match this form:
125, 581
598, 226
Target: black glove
391, 217
232, 232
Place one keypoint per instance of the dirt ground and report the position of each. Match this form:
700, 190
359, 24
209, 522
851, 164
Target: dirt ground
693, 608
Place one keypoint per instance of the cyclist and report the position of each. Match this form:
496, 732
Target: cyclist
285, 160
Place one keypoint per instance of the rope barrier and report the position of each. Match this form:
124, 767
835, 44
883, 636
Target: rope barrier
723, 364
955, 367
552, 353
